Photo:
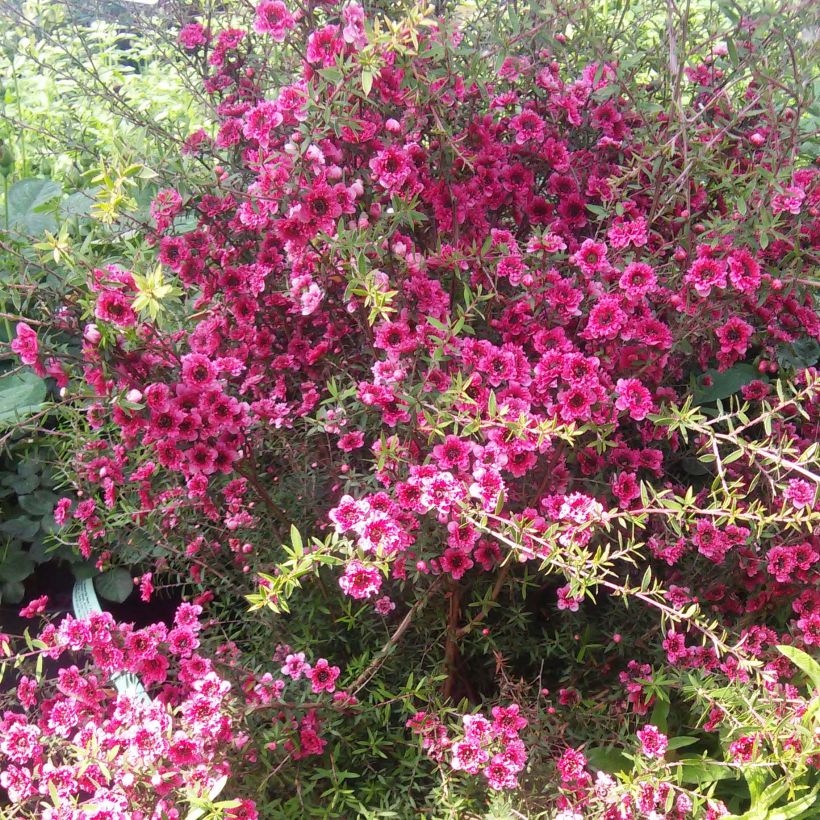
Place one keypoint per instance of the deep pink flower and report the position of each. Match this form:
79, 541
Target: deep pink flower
391, 168
198, 370
734, 336
653, 742
468, 756
273, 18
25, 344
360, 581
800, 493
706, 273
115, 307
634, 398
323, 45
193, 36
456, 562
35, 607
323, 676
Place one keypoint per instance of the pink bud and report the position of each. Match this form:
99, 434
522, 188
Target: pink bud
91, 334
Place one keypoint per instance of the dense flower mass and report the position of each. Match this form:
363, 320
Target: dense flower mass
470, 332
100, 754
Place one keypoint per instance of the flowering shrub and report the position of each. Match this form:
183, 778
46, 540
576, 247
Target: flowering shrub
531, 360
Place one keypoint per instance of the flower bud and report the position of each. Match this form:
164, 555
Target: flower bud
91, 334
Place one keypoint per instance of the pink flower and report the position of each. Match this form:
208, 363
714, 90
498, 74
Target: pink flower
653, 743
456, 562
323, 676
323, 45
61, 511
734, 336
198, 370
743, 749
115, 307
182, 641
507, 720
273, 18
638, 280
384, 606
634, 398
591, 257
790, 200
706, 273
25, 344
360, 581
565, 601
353, 31
35, 607
800, 493
453, 453
295, 666
193, 36
528, 127
710, 541
500, 775
744, 271
391, 168
468, 756
351, 441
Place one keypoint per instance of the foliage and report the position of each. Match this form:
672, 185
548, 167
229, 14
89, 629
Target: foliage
463, 369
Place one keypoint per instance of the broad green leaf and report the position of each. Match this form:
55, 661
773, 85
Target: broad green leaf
803, 661
25, 200
39, 503
697, 770
724, 384
21, 527
16, 566
804, 807
680, 741
114, 585
21, 394
11, 592
608, 759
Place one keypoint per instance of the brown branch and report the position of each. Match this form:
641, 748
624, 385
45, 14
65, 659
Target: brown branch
382, 654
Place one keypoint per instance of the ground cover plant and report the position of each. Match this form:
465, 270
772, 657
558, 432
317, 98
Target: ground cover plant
460, 386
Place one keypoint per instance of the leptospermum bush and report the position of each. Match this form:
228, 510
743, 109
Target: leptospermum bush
486, 381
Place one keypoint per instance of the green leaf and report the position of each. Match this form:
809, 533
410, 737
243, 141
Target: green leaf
16, 566
608, 759
660, 712
21, 527
11, 592
681, 741
22, 484
78, 204
756, 781
803, 353
25, 200
803, 661
114, 585
724, 384
21, 394
697, 770
38, 503
797, 808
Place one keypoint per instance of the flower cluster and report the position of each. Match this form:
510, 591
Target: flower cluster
77, 746
450, 320
492, 748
